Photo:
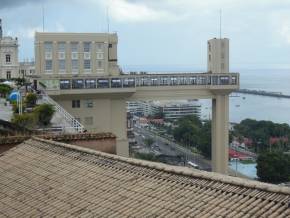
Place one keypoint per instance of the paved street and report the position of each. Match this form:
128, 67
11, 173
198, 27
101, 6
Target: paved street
170, 148
5, 111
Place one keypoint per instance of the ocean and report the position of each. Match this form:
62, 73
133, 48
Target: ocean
244, 106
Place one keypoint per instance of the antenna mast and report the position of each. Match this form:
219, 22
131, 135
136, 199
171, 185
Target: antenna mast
42, 18
108, 20
220, 23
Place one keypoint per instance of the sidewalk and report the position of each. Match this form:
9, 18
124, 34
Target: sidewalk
5, 111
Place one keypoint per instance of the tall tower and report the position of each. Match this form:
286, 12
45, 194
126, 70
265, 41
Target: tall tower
218, 55
1, 33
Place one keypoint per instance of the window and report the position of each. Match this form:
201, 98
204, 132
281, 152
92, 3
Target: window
61, 65
234, 80
224, 80
76, 103
48, 46
8, 58
48, 65
90, 83
110, 45
100, 46
87, 46
223, 55
88, 120
100, 65
74, 46
100, 56
89, 103
75, 64
8, 75
209, 57
61, 47
77, 84
87, 64
223, 44
64, 84
209, 47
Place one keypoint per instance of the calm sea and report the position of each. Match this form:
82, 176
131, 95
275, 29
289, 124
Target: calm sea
244, 106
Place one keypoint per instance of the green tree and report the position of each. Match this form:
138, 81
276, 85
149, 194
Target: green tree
148, 141
44, 113
273, 167
204, 144
31, 99
4, 90
27, 120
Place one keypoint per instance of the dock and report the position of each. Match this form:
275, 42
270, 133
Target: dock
262, 93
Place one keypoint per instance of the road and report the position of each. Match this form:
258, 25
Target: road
167, 147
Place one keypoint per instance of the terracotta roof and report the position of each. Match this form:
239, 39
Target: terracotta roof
46, 178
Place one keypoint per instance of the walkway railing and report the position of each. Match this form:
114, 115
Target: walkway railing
74, 123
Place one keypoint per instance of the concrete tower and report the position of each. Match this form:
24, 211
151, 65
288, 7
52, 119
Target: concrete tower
218, 55
218, 63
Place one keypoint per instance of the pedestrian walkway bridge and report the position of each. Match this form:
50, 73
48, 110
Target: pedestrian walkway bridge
86, 83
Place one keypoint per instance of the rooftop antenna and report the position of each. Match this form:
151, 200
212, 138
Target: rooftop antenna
108, 20
1, 33
220, 23
42, 18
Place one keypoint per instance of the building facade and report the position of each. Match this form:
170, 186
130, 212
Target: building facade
74, 54
9, 65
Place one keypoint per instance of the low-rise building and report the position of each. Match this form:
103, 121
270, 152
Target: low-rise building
9, 65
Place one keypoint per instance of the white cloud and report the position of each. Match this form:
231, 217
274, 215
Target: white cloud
125, 11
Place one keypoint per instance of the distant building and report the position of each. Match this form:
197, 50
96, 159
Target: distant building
26, 69
172, 110
9, 65
175, 110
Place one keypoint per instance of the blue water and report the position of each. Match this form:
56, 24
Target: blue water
245, 169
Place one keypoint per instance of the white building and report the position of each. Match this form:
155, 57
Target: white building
9, 65
171, 109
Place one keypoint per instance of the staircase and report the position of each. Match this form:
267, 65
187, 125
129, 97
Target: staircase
65, 121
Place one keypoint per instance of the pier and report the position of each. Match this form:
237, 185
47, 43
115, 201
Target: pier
262, 93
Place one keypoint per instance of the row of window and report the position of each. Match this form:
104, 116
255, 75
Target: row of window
74, 46
145, 81
74, 65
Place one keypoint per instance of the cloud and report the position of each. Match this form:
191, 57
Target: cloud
16, 3
134, 11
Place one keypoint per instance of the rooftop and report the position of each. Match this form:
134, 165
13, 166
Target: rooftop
45, 178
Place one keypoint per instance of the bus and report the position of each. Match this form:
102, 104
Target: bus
195, 166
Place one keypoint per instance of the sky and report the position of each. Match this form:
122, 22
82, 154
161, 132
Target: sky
163, 34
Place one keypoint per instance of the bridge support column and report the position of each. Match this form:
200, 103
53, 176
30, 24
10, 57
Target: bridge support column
220, 134
118, 126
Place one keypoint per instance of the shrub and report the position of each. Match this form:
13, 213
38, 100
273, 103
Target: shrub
25, 120
44, 113
30, 99
4, 90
